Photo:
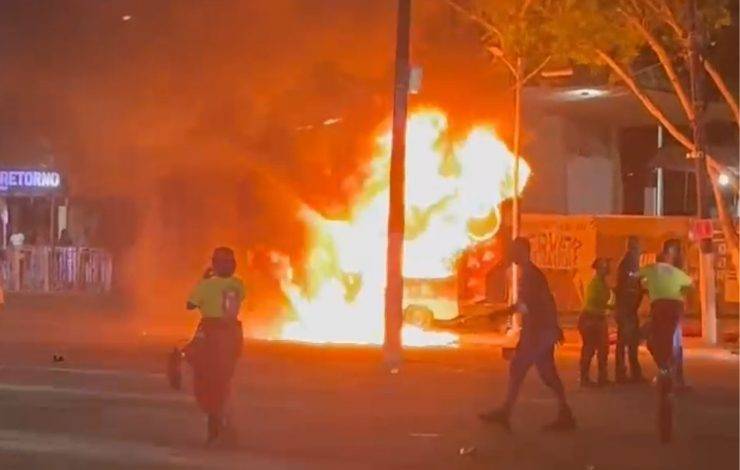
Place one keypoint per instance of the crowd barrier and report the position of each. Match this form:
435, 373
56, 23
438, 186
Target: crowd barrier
47, 269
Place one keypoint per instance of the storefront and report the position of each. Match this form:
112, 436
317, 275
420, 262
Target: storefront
39, 255
33, 206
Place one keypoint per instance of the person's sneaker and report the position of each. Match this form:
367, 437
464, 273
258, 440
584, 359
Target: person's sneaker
622, 379
604, 383
564, 422
499, 416
174, 370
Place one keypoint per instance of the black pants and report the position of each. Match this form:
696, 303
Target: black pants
628, 341
595, 335
534, 351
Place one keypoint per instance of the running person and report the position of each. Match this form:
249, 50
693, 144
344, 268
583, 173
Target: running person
539, 334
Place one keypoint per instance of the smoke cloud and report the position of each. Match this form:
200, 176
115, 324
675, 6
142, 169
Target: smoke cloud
211, 123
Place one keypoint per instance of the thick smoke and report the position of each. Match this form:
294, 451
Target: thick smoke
211, 123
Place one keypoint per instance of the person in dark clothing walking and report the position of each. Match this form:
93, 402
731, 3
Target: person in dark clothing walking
628, 297
539, 334
593, 324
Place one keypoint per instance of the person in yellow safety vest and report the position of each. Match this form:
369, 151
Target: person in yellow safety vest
594, 326
216, 345
666, 286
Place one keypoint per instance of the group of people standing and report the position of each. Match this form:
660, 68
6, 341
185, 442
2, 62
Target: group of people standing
665, 284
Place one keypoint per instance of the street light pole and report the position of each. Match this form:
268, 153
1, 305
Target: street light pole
516, 212
392, 346
707, 285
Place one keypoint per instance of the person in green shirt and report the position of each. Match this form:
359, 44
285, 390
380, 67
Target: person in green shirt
666, 286
217, 343
593, 324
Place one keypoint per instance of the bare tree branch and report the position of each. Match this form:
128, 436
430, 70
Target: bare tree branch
666, 62
723, 89
510, 66
669, 18
478, 19
651, 107
488, 26
524, 9
537, 70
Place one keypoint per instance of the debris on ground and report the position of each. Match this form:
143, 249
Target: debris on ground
467, 450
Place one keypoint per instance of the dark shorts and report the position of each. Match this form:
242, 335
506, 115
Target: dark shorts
213, 353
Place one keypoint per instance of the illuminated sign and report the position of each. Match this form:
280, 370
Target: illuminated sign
29, 181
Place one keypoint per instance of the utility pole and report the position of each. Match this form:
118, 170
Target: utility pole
392, 347
516, 212
707, 286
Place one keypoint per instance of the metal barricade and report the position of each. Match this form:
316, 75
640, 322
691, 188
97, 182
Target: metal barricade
44, 269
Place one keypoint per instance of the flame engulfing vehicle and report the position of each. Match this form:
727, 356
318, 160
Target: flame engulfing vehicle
454, 190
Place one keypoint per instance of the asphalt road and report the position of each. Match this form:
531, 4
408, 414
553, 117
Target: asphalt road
106, 405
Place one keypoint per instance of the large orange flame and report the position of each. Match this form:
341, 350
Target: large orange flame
453, 194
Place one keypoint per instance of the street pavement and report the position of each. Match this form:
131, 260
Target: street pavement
104, 403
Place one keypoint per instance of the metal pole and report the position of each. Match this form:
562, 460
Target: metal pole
392, 346
516, 222
707, 285
516, 218
659, 178
52, 201
659, 191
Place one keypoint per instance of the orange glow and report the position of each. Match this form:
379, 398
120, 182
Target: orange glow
453, 194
